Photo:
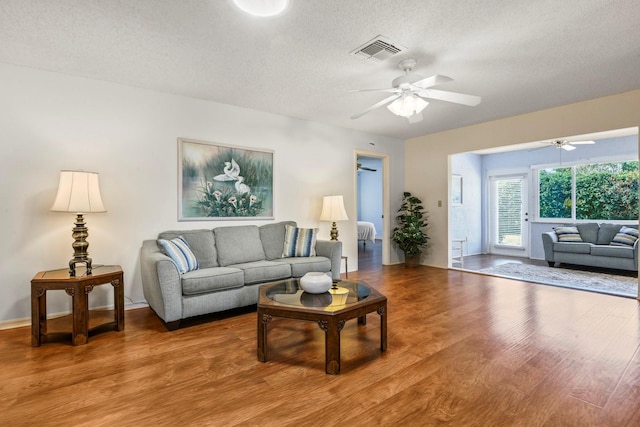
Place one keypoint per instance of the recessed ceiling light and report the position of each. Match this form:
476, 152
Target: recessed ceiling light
263, 8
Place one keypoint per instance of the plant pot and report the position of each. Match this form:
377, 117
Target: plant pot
412, 261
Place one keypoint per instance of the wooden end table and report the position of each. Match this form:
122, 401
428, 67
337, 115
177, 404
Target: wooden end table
331, 310
78, 287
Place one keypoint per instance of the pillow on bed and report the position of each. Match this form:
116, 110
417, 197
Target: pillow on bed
299, 242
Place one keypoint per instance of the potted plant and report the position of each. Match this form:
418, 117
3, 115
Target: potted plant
409, 235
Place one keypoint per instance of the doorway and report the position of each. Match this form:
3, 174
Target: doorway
508, 215
372, 206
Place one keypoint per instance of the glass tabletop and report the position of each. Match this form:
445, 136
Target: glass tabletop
342, 293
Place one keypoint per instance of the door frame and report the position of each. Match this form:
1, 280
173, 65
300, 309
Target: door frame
491, 175
386, 242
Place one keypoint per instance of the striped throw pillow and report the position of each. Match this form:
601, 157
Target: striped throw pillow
299, 242
627, 236
178, 250
568, 234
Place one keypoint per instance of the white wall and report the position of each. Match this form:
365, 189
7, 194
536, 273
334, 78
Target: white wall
51, 122
426, 158
466, 219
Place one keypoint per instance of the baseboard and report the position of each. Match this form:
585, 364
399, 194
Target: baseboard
19, 323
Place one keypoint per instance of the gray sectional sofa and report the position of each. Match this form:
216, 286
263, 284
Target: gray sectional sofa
233, 262
594, 249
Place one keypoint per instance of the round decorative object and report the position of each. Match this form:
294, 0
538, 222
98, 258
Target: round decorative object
315, 282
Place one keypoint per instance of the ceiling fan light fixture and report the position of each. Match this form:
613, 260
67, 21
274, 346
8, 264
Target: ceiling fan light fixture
407, 105
262, 8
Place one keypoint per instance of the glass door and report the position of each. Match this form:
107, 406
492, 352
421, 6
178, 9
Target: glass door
509, 226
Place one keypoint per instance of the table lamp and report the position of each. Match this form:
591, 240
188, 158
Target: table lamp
79, 192
333, 210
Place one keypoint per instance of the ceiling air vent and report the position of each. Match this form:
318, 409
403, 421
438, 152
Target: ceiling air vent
377, 50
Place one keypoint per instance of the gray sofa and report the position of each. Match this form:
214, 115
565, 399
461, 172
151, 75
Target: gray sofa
595, 249
234, 261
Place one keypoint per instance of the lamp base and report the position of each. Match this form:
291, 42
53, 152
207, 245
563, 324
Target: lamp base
72, 266
80, 246
334, 231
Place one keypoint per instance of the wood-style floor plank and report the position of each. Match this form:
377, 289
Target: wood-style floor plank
463, 349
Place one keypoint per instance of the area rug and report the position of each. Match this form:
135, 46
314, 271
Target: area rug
558, 276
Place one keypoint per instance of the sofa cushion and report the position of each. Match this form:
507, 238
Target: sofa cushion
627, 236
178, 250
589, 232
263, 271
200, 242
272, 237
607, 232
568, 234
302, 265
211, 280
238, 244
299, 242
572, 247
613, 251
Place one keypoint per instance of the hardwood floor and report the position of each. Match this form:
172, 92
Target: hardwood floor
463, 350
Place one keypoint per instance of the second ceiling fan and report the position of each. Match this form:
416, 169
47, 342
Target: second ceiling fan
565, 144
409, 91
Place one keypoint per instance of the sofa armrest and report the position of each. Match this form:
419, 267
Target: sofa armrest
548, 239
331, 249
161, 282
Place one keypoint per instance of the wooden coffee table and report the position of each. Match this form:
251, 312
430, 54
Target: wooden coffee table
331, 310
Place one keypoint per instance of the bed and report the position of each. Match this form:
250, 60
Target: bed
366, 232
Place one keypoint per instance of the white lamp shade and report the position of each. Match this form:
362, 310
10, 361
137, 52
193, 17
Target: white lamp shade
407, 106
333, 209
79, 192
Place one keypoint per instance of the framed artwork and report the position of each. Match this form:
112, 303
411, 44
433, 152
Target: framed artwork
218, 181
456, 189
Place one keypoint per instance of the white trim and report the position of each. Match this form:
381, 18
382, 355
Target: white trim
386, 200
26, 321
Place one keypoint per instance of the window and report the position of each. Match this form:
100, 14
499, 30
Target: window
595, 191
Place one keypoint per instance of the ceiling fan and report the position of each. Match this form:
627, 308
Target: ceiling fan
365, 168
565, 144
410, 89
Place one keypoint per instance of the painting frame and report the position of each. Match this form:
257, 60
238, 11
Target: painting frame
224, 182
456, 190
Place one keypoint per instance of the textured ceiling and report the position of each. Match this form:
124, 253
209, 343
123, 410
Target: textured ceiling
519, 56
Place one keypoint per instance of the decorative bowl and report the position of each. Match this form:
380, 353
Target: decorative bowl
315, 282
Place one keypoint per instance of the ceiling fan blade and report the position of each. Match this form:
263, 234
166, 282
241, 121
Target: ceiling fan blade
568, 147
581, 142
415, 118
434, 80
443, 95
539, 148
377, 105
376, 90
